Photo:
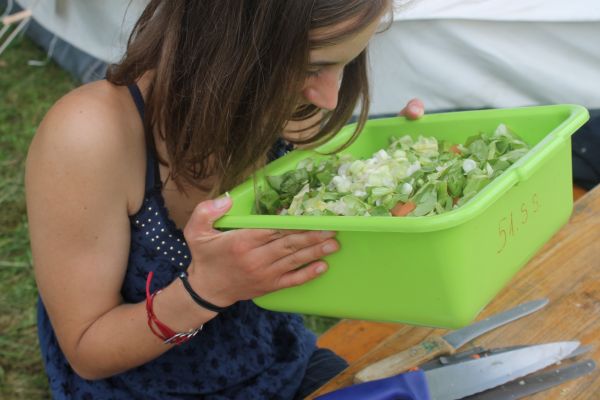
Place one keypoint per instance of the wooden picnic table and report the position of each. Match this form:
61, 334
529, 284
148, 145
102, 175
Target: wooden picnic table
566, 271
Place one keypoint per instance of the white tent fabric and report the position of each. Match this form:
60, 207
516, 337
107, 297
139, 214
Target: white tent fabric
456, 54
99, 28
456, 64
500, 10
450, 53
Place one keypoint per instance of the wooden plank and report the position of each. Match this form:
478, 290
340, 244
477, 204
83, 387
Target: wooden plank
566, 270
578, 192
351, 339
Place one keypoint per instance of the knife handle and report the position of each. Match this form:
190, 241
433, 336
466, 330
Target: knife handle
427, 350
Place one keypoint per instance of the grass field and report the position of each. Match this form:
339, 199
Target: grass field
26, 93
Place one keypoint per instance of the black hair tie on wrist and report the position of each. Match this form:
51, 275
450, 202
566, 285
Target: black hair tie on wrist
199, 300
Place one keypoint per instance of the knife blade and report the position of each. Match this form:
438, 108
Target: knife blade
501, 368
439, 345
478, 352
536, 383
456, 381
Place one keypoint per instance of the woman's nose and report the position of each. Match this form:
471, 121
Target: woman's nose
323, 90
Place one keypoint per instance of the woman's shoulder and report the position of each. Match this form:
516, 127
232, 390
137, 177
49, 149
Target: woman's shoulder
95, 111
93, 132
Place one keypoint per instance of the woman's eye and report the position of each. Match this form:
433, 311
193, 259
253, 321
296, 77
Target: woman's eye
313, 73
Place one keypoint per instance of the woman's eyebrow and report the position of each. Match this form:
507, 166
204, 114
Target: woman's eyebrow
323, 63
326, 63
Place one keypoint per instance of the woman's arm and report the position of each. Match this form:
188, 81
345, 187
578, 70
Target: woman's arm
79, 189
77, 198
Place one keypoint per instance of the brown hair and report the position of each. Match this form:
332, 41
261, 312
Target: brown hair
228, 75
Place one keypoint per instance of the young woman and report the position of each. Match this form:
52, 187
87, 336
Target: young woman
139, 296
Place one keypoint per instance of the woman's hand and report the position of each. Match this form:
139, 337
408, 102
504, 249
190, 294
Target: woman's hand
245, 263
414, 109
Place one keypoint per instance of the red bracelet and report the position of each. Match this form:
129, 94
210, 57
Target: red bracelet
168, 335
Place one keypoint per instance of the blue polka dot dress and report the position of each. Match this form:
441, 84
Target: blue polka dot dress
244, 353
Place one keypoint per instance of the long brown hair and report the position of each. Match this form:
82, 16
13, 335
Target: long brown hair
228, 75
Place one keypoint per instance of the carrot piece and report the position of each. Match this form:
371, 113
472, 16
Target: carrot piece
401, 209
454, 149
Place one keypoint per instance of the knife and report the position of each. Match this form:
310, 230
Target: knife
523, 386
536, 383
456, 381
478, 352
439, 345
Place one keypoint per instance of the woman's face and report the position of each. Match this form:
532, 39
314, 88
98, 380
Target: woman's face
326, 66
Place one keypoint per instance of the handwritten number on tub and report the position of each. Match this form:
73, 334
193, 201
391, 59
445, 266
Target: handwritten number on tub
508, 226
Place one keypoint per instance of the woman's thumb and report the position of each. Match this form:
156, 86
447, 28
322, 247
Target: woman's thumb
204, 215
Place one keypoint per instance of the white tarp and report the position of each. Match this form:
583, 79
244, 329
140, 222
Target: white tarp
500, 10
478, 64
450, 53
98, 27
488, 53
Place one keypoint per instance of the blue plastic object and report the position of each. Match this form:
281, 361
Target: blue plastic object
407, 386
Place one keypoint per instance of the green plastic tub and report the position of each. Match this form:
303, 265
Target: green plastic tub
440, 270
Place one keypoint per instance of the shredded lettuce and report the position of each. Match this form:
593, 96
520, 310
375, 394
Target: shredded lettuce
435, 176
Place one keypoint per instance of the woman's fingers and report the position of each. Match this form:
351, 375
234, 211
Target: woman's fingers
203, 217
288, 244
414, 109
293, 258
261, 237
305, 256
301, 275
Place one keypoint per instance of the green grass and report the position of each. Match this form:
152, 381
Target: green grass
26, 94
